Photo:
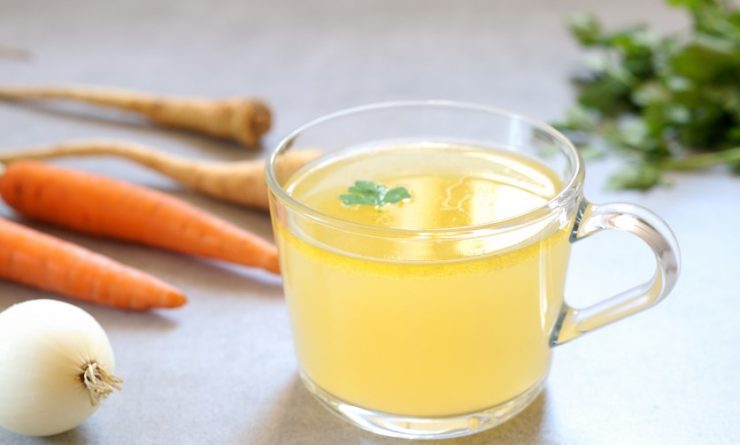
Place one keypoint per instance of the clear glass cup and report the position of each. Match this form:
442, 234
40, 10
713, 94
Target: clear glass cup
433, 366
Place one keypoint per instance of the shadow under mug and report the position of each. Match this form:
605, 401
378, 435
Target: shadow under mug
467, 344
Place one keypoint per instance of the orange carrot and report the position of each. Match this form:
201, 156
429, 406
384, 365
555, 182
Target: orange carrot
42, 261
111, 208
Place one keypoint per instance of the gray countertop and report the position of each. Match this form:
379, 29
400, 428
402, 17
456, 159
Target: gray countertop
221, 370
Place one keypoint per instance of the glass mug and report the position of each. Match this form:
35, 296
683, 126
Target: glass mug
440, 332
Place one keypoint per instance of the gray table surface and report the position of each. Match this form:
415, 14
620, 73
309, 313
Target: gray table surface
222, 370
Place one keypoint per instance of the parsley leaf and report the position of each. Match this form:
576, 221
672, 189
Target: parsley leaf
370, 193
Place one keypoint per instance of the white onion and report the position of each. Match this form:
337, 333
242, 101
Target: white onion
56, 364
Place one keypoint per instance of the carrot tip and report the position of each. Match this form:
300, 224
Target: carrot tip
176, 300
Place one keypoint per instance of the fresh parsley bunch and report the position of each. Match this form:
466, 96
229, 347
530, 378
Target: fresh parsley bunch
662, 102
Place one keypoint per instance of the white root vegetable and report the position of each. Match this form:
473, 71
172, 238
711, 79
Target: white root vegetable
241, 182
56, 366
244, 120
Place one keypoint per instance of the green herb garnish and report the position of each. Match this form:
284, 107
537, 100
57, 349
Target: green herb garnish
370, 193
661, 102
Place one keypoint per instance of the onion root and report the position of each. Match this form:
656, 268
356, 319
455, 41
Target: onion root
99, 382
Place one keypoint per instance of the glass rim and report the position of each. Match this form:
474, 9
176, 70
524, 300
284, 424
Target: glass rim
571, 188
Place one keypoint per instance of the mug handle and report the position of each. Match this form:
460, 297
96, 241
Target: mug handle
649, 227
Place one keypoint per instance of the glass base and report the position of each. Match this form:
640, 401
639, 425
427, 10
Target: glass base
425, 427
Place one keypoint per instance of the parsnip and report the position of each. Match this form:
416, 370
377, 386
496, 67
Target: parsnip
241, 119
241, 182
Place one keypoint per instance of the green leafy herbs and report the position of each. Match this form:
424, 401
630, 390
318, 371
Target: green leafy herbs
370, 193
661, 102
